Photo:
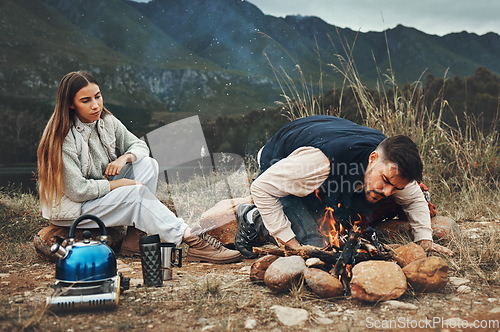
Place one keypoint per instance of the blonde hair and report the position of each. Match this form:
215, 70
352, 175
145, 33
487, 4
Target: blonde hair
49, 153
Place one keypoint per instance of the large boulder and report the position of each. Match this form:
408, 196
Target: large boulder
404, 255
259, 268
374, 281
323, 283
44, 239
283, 272
429, 274
220, 220
444, 228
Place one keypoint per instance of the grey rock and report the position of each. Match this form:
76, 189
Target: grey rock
291, 316
399, 305
250, 323
495, 310
464, 289
455, 281
324, 321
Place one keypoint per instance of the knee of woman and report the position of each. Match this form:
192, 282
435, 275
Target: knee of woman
152, 163
137, 193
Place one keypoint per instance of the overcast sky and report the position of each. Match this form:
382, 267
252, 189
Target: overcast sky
438, 17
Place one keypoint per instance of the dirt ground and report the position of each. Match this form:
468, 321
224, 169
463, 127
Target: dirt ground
208, 297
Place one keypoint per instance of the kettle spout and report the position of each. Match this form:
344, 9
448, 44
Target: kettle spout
58, 249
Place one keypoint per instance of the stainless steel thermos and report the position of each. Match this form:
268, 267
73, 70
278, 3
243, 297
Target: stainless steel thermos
169, 259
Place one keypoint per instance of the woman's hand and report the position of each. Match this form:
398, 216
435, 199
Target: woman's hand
123, 182
116, 166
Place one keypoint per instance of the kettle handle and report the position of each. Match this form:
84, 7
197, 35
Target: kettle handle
102, 227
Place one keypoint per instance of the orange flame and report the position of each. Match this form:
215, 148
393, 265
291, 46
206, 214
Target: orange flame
331, 229
316, 192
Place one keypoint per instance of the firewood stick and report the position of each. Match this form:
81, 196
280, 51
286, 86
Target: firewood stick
305, 252
269, 251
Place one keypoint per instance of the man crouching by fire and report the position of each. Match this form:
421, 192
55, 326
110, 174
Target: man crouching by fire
322, 166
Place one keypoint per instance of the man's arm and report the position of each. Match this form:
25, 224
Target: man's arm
415, 206
299, 174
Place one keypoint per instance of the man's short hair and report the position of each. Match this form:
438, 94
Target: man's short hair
402, 151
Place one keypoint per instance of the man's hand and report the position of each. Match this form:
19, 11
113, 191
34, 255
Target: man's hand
116, 166
293, 244
428, 245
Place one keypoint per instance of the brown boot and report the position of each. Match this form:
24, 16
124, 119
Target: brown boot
204, 248
130, 244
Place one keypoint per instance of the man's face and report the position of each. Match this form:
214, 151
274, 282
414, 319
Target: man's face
382, 178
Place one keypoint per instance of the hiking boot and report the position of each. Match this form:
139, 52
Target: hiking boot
130, 244
247, 235
205, 248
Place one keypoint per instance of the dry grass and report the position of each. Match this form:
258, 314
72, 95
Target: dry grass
477, 255
192, 196
20, 220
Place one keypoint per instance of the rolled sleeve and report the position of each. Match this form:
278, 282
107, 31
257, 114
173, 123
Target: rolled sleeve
299, 174
415, 206
129, 143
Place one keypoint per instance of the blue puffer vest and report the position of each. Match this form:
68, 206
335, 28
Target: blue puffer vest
346, 144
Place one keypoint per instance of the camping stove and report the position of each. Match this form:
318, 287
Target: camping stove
87, 295
86, 275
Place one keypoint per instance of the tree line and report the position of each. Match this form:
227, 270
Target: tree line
478, 95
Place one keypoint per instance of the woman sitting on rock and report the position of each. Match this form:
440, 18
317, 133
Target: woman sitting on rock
89, 163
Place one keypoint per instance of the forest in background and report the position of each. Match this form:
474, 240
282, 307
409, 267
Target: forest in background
476, 96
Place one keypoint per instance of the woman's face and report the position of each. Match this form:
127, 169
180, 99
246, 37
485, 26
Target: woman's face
88, 103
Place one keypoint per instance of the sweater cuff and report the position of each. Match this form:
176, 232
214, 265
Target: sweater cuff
422, 234
285, 234
103, 187
138, 153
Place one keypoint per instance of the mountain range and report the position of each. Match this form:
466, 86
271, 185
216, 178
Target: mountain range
173, 58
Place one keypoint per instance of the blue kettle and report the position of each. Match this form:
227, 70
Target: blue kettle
87, 260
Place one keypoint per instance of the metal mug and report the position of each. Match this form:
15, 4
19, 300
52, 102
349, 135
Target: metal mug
169, 259
149, 247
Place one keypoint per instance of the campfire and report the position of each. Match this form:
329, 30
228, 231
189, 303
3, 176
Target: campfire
344, 247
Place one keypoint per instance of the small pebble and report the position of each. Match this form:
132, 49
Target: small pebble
458, 281
324, 321
245, 269
495, 310
250, 324
313, 261
399, 305
464, 289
